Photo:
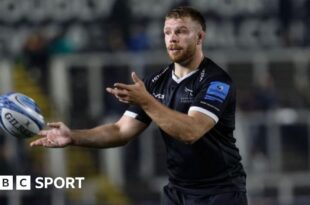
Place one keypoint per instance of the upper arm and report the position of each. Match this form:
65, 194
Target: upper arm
130, 127
213, 99
201, 123
210, 104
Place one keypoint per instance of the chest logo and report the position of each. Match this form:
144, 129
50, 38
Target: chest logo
159, 96
189, 91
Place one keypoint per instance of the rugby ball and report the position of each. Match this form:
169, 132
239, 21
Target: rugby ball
20, 116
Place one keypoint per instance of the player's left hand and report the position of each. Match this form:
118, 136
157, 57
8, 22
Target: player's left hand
135, 93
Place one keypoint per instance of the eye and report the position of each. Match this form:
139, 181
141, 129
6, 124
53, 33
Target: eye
183, 30
167, 32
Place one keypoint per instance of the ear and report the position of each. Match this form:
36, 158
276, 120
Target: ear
201, 36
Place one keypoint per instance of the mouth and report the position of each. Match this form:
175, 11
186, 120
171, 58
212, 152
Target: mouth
174, 48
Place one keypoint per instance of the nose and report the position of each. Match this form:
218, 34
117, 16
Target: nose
173, 38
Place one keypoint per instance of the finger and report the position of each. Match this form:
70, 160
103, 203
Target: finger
121, 93
110, 90
43, 133
38, 142
54, 124
123, 101
135, 77
118, 93
46, 143
50, 141
122, 86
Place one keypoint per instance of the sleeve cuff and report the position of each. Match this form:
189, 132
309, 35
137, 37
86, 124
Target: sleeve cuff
130, 114
204, 111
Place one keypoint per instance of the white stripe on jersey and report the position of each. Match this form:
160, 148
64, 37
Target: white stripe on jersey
130, 114
204, 111
178, 80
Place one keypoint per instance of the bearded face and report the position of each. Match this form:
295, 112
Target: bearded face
181, 54
181, 38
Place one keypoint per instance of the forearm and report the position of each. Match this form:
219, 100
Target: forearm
178, 125
103, 136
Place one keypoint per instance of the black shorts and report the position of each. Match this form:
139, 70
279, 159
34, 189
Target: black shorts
172, 196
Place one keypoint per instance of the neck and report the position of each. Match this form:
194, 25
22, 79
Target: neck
182, 69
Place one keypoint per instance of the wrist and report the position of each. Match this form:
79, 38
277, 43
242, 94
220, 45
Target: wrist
146, 103
73, 138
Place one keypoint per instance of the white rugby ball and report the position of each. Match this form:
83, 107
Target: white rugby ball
20, 116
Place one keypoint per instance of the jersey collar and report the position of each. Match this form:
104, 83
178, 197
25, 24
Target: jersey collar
178, 80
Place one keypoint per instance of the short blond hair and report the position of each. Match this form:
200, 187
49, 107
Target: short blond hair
186, 11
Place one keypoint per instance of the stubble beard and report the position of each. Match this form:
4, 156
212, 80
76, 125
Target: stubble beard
184, 57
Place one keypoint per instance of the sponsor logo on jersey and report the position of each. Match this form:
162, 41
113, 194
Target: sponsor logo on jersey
202, 75
159, 96
217, 91
160, 74
189, 91
186, 100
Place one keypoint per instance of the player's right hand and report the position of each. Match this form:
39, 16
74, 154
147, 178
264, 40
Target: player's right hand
58, 136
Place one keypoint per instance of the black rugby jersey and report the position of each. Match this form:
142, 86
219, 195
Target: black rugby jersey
211, 164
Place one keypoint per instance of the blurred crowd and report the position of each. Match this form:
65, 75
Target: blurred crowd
135, 26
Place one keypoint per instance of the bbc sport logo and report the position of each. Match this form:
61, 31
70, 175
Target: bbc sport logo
24, 182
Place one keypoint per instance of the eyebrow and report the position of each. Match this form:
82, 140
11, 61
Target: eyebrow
180, 27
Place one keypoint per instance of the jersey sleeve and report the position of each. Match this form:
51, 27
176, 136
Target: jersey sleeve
212, 98
138, 113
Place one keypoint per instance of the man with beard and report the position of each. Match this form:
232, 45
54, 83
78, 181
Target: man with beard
193, 102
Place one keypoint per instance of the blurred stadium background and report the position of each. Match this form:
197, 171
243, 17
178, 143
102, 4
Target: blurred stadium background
64, 53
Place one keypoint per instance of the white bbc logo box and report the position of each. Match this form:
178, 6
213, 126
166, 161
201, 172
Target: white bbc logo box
6, 182
22, 182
